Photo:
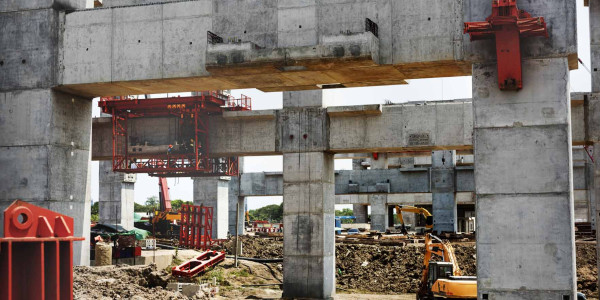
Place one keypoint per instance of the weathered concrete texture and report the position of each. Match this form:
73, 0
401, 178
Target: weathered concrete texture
18, 5
379, 212
361, 212
234, 198
214, 192
595, 44
309, 201
443, 188
44, 154
116, 196
309, 211
416, 126
524, 183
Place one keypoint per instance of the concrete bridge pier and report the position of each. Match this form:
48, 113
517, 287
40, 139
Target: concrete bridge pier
524, 183
308, 197
214, 192
593, 116
44, 134
443, 190
116, 196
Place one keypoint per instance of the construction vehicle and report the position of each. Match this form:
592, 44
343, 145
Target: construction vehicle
164, 221
443, 279
416, 210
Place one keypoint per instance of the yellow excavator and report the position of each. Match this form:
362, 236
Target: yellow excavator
443, 279
416, 210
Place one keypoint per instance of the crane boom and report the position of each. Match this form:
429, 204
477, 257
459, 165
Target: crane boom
163, 194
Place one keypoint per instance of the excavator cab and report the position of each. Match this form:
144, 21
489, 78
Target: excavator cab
438, 270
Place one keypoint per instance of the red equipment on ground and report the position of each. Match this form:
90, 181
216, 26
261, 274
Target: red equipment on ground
196, 226
36, 253
507, 24
198, 264
184, 149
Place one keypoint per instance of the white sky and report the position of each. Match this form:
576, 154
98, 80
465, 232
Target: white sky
420, 89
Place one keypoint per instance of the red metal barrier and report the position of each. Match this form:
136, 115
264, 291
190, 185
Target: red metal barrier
198, 264
196, 227
36, 253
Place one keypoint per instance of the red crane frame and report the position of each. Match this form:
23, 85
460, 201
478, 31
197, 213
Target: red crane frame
196, 108
507, 24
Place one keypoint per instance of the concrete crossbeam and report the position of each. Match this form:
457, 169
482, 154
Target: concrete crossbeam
524, 184
297, 45
430, 126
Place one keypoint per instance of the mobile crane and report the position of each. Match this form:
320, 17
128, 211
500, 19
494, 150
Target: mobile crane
417, 210
443, 279
163, 223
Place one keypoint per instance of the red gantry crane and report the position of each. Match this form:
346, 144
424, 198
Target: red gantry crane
183, 148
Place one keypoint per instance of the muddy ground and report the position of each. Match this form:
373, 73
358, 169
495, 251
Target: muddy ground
391, 270
395, 270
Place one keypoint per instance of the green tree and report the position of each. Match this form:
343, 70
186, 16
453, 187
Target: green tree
344, 212
151, 203
95, 210
176, 204
272, 213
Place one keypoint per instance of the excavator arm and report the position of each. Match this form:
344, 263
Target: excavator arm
416, 210
434, 246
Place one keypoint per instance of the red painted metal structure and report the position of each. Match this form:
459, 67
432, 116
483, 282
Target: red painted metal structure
190, 155
163, 194
507, 24
198, 264
36, 253
196, 226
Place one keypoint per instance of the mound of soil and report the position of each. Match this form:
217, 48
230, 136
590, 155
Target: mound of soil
121, 282
587, 272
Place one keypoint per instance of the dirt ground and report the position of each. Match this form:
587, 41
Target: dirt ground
389, 271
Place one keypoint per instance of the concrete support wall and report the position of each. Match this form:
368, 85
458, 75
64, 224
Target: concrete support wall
308, 197
443, 190
524, 183
593, 131
214, 192
116, 196
379, 212
234, 198
361, 212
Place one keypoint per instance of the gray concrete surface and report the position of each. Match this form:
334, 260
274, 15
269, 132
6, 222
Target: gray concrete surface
443, 188
214, 192
115, 196
309, 202
524, 184
422, 126
283, 45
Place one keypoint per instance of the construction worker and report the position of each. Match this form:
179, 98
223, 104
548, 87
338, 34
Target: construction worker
169, 149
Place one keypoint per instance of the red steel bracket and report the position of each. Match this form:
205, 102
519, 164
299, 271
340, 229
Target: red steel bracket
198, 264
507, 24
36, 254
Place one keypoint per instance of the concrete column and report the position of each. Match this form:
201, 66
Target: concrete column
593, 125
443, 191
595, 44
234, 198
361, 212
214, 192
357, 164
524, 183
308, 197
379, 208
379, 212
116, 196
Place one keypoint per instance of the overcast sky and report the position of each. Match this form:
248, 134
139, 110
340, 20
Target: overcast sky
420, 89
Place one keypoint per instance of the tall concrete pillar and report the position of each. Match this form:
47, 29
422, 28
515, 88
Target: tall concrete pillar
379, 212
380, 215
443, 191
44, 134
214, 192
233, 213
594, 110
361, 212
116, 196
308, 198
524, 183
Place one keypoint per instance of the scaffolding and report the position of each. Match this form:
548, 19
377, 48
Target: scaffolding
187, 151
